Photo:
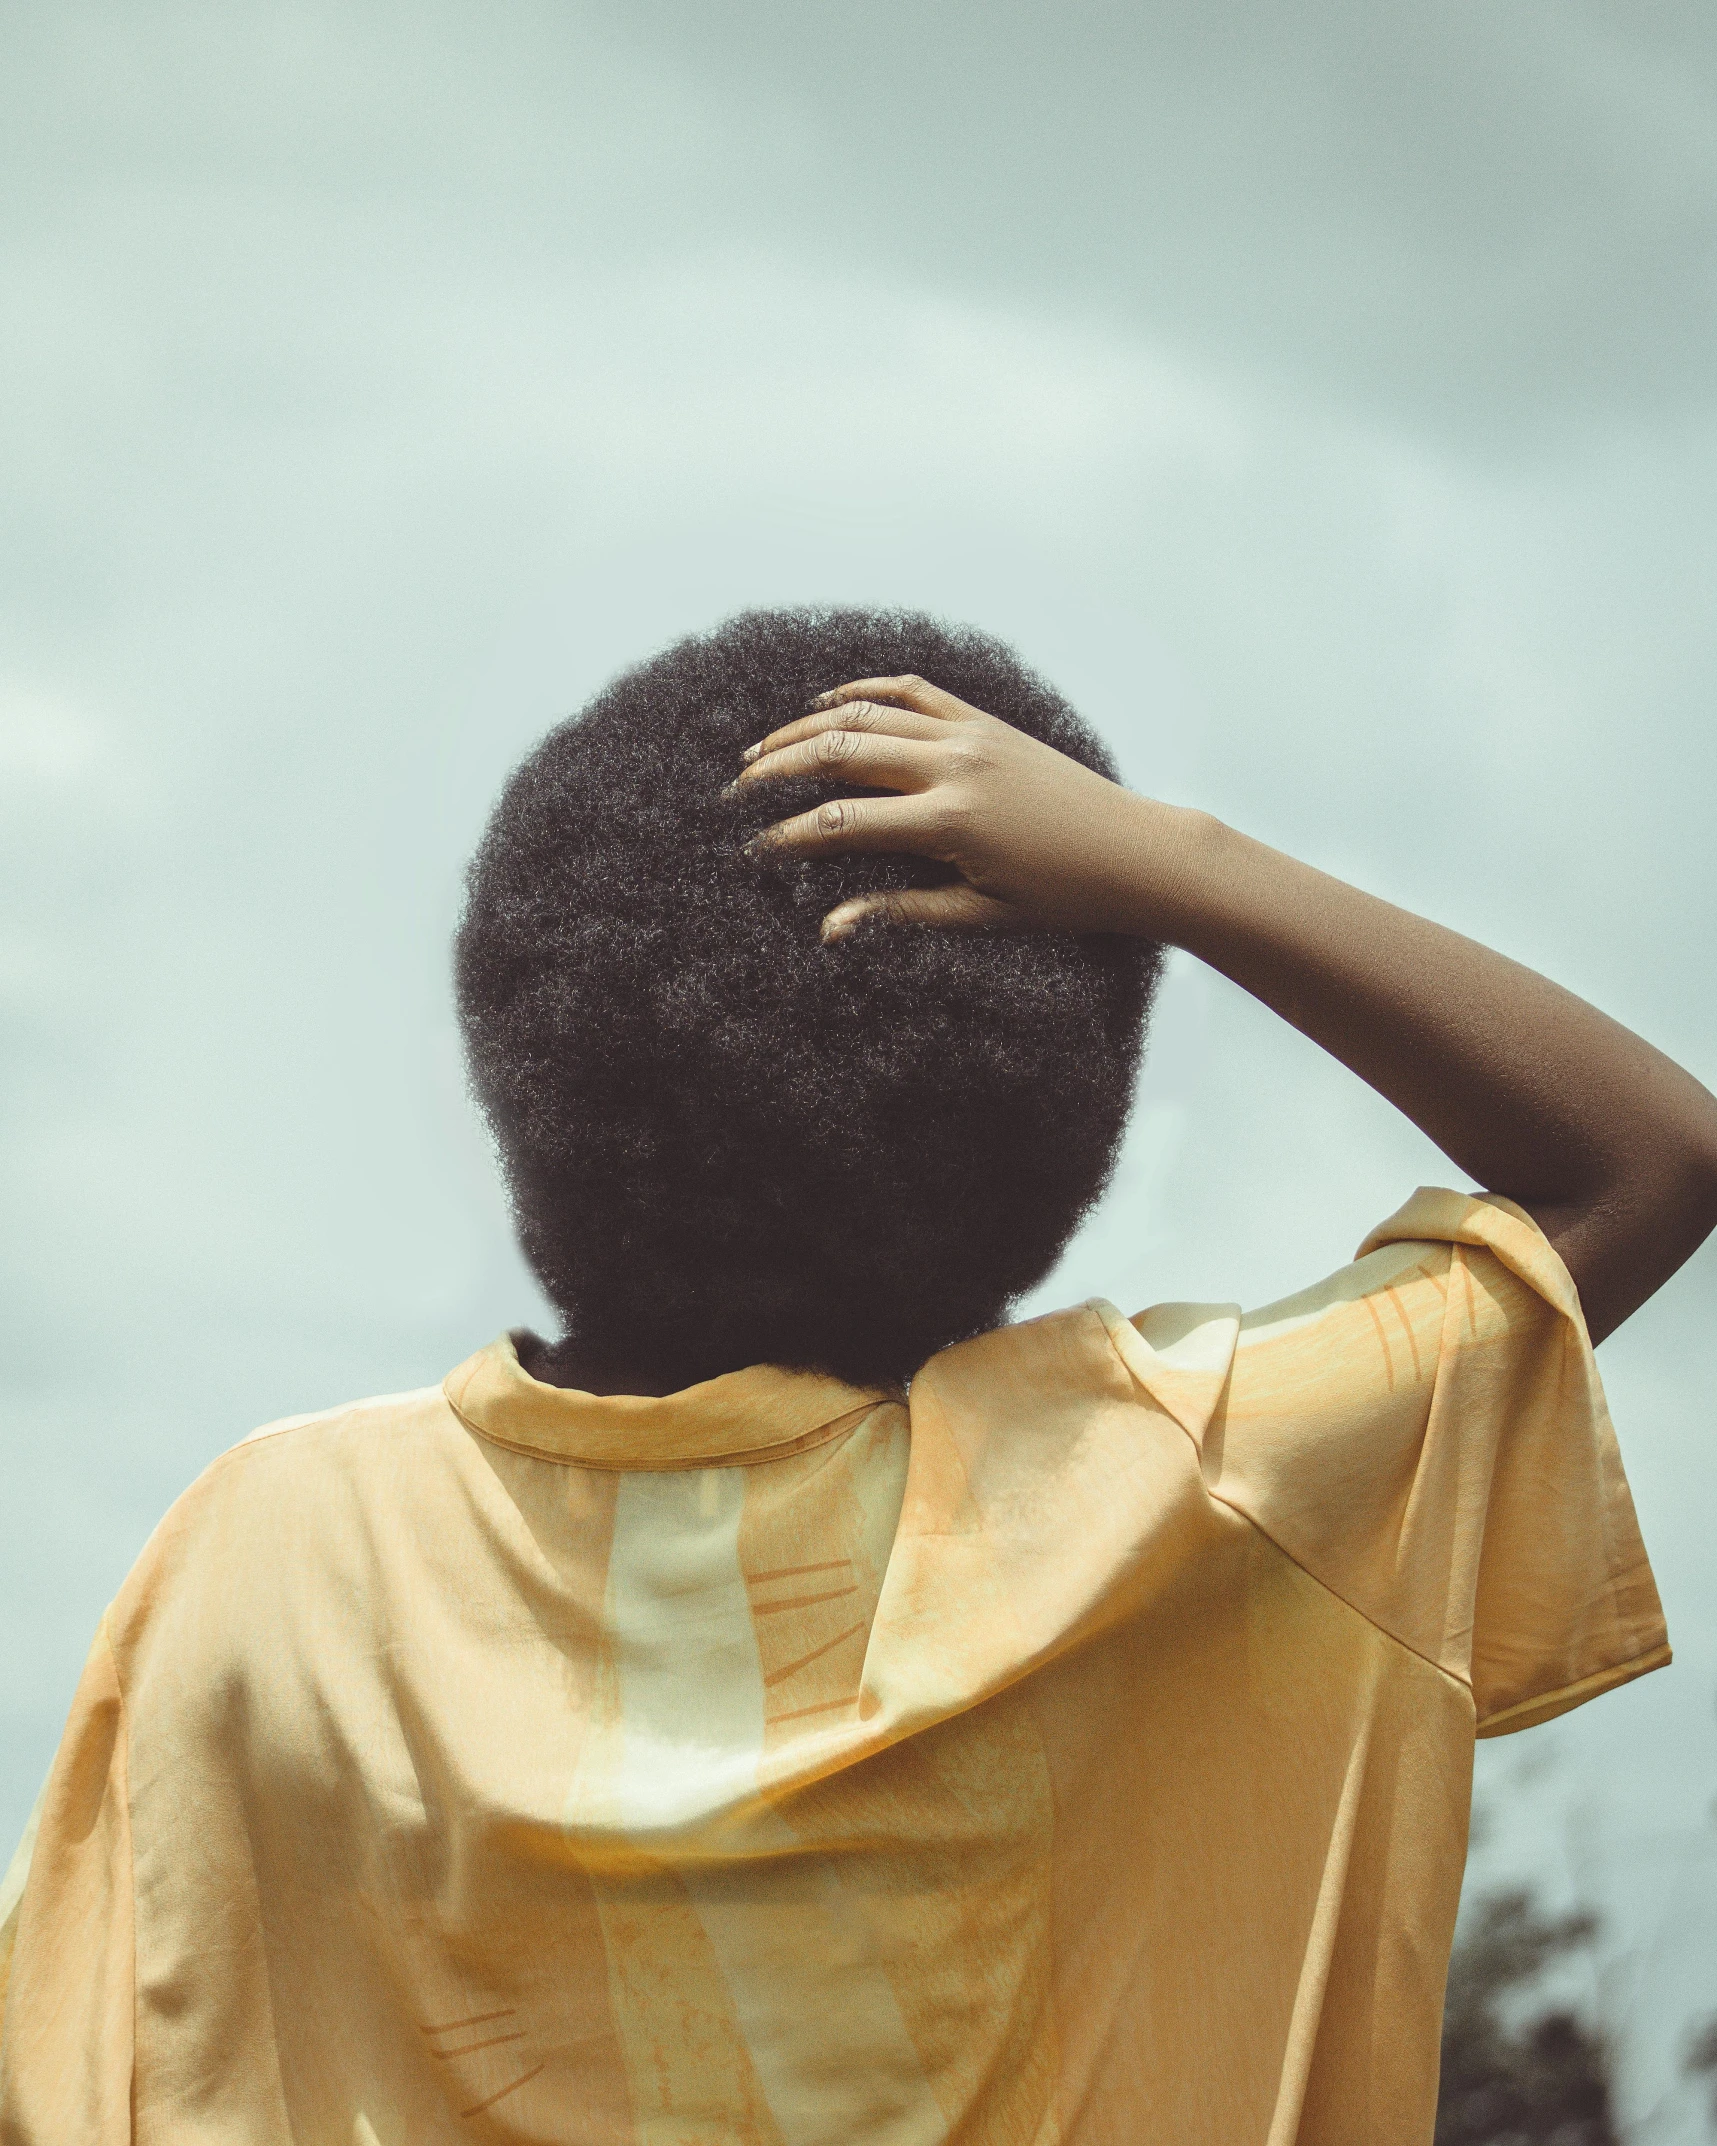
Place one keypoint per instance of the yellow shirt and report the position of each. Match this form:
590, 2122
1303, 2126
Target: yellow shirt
1080, 1752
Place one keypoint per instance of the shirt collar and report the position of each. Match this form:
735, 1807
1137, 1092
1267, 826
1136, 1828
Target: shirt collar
757, 1414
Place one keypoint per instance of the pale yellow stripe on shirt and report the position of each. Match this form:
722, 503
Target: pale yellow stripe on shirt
1391, 1263
951, 1835
668, 1809
690, 2073
965, 1957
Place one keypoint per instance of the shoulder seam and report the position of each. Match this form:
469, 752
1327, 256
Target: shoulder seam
1215, 1497
1465, 1683
1335, 1594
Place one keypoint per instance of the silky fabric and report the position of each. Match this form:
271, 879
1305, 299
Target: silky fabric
1077, 1750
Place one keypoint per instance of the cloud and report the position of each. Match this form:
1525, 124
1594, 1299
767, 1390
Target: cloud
44, 744
1472, 219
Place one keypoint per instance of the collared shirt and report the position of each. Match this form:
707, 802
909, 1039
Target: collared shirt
1077, 1751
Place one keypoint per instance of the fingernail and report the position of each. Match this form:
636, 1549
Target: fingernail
753, 848
750, 753
730, 789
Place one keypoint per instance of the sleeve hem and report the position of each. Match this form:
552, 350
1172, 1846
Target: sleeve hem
1527, 1713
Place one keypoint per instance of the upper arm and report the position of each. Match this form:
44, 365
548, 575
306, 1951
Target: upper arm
1426, 1433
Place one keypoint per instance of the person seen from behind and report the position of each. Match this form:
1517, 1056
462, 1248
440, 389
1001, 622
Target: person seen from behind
794, 1705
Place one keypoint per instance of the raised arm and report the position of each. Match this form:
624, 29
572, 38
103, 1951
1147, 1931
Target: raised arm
1607, 1143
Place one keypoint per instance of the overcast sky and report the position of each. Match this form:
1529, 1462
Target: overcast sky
1324, 396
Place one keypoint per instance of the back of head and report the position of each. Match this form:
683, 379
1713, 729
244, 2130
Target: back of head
726, 1142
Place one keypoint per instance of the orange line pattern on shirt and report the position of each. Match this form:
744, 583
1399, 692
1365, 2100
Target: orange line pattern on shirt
500, 2093
1382, 1343
824, 1706
794, 1572
780, 1676
1407, 1329
769, 1609
1467, 1293
471, 2048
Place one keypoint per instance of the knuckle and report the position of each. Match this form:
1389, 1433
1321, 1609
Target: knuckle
953, 810
965, 757
835, 817
831, 747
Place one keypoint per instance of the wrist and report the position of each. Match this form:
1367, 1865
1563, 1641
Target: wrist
1169, 866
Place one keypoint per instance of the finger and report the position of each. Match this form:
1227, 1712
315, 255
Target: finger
904, 692
866, 715
853, 823
949, 908
868, 760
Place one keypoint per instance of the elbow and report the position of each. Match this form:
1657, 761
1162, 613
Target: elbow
1695, 1172
1669, 1187
1658, 1209
1702, 1173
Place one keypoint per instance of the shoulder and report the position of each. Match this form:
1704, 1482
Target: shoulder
1045, 1383
1056, 1348
1376, 1322
345, 1431
287, 1500
349, 1444
1449, 1273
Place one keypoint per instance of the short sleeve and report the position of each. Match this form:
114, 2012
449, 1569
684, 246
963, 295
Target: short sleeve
1426, 1434
66, 2037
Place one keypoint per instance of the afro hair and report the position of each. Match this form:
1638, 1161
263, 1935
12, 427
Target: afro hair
726, 1142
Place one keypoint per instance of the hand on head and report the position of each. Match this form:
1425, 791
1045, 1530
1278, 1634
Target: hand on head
1035, 837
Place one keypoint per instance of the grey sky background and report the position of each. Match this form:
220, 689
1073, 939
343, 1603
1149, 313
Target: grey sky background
1324, 397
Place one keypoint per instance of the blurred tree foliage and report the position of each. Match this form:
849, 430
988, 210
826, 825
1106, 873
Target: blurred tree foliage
1702, 2062
1515, 2073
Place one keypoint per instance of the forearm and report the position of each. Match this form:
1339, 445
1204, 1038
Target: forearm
1534, 1093
1610, 1146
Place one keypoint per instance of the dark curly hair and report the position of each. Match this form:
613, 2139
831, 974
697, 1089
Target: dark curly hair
727, 1143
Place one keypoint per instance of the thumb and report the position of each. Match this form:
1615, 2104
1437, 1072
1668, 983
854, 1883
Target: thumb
955, 908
